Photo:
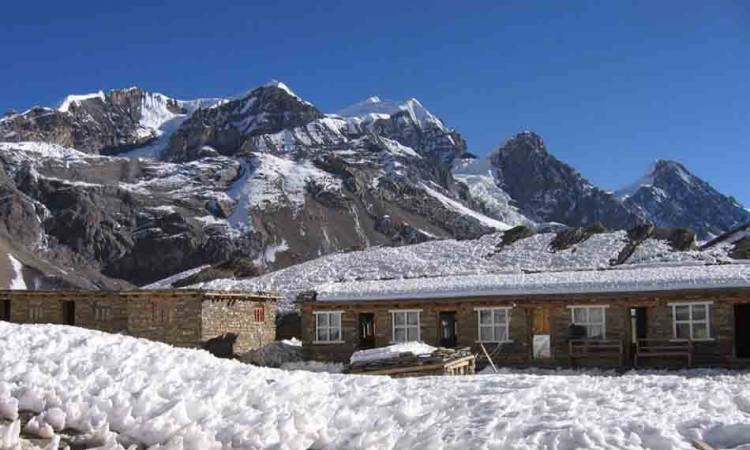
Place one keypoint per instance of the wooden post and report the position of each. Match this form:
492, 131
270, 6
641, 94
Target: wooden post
481, 344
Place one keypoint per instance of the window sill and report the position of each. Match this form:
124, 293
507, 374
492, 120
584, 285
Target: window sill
328, 342
693, 340
494, 342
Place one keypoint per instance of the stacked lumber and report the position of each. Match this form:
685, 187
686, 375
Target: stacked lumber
441, 361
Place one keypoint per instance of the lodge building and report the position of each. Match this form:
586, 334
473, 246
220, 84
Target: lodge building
224, 323
642, 317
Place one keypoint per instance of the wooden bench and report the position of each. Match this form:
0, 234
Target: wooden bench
595, 348
662, 348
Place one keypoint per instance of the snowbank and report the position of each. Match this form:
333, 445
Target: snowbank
391, 351
187, 398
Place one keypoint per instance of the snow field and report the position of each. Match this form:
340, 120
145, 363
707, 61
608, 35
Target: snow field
172, 398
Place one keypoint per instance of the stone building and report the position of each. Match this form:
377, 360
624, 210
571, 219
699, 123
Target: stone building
655, 316
224, 323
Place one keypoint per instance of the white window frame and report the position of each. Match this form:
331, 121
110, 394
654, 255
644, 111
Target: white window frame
690, 321
406, 325
36, 311
588, 321
328, 327
494, 339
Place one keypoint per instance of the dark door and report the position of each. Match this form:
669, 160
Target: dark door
742, 330
366, 330
637, 323
5, 310
447, 321
69, 313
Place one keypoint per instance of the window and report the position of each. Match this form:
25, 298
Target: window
102, 312
591, 318
328, 326
690, 321
162, 313
259, 314
494, 324
35, 312
405, 325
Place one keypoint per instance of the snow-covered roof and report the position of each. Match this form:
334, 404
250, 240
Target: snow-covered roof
636, 279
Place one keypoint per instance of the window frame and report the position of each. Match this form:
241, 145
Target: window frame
690, 321
102, 312
328, 327
36, 312
405, 325
259, 314
588, 323
494, 340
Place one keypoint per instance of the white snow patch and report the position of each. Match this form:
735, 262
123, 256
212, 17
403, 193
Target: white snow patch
17, 283
76, 99
463, 210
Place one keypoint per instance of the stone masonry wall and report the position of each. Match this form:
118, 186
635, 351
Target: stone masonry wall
174, 319
518, 351
225, 318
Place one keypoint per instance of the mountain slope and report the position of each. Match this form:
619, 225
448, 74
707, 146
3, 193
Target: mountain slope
669, 195
265, 176
521, 177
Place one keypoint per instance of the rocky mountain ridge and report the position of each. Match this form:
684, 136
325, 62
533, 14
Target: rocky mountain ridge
131, 186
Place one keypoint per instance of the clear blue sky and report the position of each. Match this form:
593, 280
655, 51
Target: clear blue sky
611, 86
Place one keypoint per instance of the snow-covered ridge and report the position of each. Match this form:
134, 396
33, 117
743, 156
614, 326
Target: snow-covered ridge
448, 258
69, 100
115, 386
374, 108
631, 279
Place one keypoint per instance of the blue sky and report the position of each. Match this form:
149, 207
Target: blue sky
611, 86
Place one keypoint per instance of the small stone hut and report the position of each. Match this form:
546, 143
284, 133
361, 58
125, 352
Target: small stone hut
224, 323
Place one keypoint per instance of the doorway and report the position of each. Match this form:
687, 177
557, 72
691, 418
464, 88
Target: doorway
366, 330
448, 335
638, 324
541, 345
69, 313
5, 310
742, 331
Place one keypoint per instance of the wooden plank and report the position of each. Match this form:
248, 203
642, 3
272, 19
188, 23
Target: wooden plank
700, 445
487, 355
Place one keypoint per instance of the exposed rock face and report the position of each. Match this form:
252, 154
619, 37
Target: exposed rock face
95, 123
669, 195
548, 190
266, 177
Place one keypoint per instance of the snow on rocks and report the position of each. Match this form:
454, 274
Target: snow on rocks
445, 258
169, 398
391, 351
590, 281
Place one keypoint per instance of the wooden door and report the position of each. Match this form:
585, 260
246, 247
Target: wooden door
540, 321
541, 339
366, 330
447, 328
5, 310
69, 313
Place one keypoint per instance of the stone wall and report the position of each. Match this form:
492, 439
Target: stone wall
171, 318
519, 352
229, 325
49, 308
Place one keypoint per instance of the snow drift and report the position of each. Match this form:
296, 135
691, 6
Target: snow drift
177, 398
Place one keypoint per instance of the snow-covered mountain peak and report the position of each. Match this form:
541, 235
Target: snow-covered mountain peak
76, 99
373, 107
